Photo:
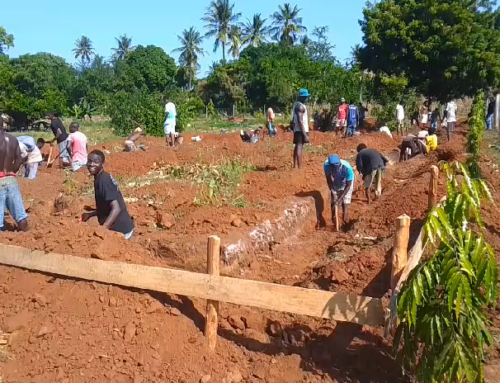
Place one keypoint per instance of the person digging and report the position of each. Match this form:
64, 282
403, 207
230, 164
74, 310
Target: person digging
130, 141
110, 211
371, 164
340, 179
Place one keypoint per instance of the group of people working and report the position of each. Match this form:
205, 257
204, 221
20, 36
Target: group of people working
110, 209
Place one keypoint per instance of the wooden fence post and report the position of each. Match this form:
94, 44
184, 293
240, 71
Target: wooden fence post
213, 261
433, 186
400, 249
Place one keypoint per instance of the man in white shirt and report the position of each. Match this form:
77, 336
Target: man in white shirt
31, 156
170, 120
451, 117
400, 115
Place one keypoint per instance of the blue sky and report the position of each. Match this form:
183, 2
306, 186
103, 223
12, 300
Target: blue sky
54, 25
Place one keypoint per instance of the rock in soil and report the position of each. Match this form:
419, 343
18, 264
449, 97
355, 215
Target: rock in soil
130, 330
205, 379
165, 220
236, 322
40, 299
234, 376
175, 312
155, 307
256, 335
339, 276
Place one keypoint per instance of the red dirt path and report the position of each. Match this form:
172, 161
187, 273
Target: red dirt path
75, 331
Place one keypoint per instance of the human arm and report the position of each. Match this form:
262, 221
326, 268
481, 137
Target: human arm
344, 192
69, 146
18, 160
359, 164
113, 215
87, 216
385, 159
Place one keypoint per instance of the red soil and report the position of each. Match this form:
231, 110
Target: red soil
87, 332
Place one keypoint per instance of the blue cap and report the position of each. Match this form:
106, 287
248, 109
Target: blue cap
334, 160
303, 93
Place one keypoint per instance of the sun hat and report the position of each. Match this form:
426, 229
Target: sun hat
334, 160
303, 93
138, 130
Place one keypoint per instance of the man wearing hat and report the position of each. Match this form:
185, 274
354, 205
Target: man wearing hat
342, 116
130, 141
300, 127
340, 178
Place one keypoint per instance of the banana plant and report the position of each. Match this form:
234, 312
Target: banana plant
443, 326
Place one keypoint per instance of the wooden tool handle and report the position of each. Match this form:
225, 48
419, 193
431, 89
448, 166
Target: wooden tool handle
337, 223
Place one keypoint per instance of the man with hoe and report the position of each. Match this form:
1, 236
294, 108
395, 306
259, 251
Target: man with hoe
10, 195
300, 127
340, 179
61, 137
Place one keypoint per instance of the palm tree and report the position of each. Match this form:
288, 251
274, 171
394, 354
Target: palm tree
124, 47
190, 49
235, 41
219, 17
255, 31
84, 50
287, 25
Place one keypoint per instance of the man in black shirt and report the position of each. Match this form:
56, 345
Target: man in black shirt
61, 136
110, 210
371, 164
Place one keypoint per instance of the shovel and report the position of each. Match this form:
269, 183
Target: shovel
337, 223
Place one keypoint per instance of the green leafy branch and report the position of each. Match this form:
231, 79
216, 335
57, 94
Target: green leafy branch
443, 327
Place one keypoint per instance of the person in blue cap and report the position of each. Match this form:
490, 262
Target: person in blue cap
300, 127
340, 178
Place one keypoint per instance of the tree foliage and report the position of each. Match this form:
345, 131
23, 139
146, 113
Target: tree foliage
190, 50
476, 133
84, 50
124, 46
6, 40
255, 31
219, 18
146, 67
446, 49
287, 24
443, 325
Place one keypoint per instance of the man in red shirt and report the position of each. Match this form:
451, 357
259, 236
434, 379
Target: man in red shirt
342, 116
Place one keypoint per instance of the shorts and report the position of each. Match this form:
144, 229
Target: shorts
129, 146
451, 126
76, 165
169, 128
30, 170
10, 199
341, 123
298, 138
63, 151
400, 123
347, 197
271, 129
351, 129
376, 176
489, 122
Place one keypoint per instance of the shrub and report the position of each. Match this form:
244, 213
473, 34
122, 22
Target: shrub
442, 306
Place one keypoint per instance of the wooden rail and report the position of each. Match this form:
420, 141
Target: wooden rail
214, 288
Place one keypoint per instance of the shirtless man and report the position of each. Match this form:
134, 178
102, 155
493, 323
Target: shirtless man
10, 195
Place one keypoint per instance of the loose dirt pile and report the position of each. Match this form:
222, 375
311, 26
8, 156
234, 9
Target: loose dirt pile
63, 330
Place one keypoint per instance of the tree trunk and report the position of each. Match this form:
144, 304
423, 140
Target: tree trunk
223, 53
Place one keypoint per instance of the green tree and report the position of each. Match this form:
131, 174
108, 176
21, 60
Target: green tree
146, 67
6, 41
83, 50
190, 50
39, 84
287, 25
444, 48
124, 47
320, 49
219, 17
443, 326
234, 41
255, 31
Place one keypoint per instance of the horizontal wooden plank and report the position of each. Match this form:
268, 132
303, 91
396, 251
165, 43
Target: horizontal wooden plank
316, 303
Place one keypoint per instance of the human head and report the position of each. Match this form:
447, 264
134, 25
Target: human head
95, 162
51, 116
40, 143
74, 127
303, 95
334, 161
361, 147
342, 100
138, 130
432, 130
